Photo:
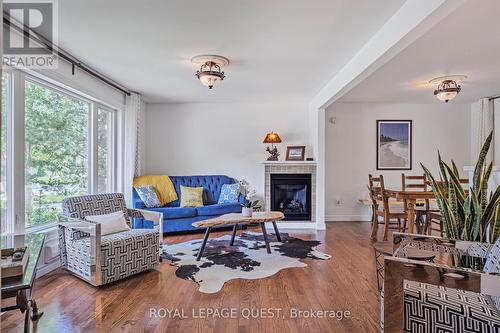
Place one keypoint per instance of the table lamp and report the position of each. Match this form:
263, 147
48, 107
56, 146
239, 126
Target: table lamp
272, 138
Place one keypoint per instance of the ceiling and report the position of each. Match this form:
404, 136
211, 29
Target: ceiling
279, 49
466, 42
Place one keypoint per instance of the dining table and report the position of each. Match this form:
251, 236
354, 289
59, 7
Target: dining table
411, 197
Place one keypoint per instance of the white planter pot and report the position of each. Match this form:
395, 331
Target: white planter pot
246, 212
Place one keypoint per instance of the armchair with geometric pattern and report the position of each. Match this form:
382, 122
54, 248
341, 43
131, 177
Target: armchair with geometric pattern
422, 296
101, 259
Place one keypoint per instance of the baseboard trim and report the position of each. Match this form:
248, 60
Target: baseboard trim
347, 218
47, 268
292, 225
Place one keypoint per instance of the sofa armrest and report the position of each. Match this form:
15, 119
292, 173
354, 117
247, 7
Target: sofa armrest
136, 200
396, 270
139, 204
151, 215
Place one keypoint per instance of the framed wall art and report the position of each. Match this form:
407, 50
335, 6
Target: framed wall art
394, 144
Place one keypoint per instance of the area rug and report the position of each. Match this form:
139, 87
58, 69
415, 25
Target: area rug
246, 259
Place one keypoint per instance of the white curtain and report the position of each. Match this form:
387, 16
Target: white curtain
496, 135
482, 116
133, 142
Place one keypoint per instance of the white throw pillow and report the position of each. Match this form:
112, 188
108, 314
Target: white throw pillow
110, 223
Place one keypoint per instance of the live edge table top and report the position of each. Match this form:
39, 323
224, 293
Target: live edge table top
237, 218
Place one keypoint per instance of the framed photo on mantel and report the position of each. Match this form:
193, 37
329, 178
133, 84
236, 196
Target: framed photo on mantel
394, 144
295, 153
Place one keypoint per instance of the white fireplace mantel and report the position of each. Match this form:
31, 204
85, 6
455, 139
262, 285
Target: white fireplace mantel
289, 162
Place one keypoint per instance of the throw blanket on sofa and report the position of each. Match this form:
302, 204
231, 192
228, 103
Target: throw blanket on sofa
162, 184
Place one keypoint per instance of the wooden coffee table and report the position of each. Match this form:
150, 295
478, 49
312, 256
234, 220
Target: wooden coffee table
235, 219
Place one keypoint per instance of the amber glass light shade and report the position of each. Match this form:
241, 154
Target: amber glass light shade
272, 138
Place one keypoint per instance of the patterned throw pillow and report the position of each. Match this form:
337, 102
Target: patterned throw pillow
229, 193
191, 196
148, 196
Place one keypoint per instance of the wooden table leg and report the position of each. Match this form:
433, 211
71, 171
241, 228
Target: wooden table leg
263, 227
202, 248
411, 215
276, 231
235, 227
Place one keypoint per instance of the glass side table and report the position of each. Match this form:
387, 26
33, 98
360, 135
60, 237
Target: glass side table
383, 249
22, 288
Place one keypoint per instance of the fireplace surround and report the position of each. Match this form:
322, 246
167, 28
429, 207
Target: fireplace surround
271, 168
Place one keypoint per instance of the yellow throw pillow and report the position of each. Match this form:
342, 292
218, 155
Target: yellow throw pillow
191, 196
162, 184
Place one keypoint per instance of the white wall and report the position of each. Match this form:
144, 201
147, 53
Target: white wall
351, 148
220, 138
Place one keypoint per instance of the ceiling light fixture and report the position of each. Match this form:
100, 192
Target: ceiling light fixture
447, 88
210, 72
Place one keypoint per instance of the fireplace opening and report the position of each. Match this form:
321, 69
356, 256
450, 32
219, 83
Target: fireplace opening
291, 194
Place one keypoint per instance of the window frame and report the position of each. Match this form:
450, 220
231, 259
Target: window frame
112, 159
10, 216
16, 166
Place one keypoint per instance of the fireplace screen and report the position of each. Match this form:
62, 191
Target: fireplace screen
291, 194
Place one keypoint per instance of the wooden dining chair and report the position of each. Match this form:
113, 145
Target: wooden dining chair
431, 220
382, 208
418, 183
434, 220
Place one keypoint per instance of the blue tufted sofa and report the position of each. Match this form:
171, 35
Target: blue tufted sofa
176, 218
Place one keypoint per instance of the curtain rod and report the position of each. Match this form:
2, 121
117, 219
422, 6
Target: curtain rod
492, 98
29, 33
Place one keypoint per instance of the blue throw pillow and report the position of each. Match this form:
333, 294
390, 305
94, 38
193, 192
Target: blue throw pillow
229, 193
148, 196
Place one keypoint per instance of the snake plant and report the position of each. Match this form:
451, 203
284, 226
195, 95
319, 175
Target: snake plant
468, 214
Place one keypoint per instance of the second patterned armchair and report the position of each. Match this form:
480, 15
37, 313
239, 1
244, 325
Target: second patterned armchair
100, 259
421, 296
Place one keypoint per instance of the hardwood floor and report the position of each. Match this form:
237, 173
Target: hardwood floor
347, 282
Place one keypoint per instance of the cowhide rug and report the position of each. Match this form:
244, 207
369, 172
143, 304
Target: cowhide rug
246, 259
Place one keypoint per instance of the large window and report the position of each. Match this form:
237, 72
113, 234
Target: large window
3, 156
104, 150
64, 143
56, 146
